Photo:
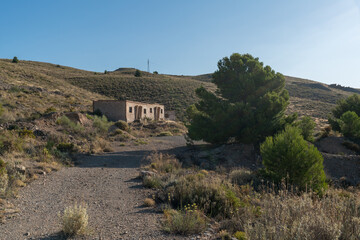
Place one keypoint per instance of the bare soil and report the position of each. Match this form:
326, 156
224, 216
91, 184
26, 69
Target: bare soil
107, 184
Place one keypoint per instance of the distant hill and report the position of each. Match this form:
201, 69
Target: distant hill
69, 88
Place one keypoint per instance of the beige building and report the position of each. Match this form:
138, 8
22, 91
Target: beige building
129, 111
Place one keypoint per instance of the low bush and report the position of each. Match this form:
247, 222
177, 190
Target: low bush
209, 193
240, 235
137, 73
122, 125
9, 142
163, 163
4, 178
153, 182
163, 134
70, 125
15, 60
66, 147
288, 156
25, 133
101, 124
50, 110
241, 176
184, 222
149, 202
74, 220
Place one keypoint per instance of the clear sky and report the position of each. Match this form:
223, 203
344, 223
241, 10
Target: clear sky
313, 39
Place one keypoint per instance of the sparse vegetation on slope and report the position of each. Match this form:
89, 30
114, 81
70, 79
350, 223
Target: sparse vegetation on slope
63, 88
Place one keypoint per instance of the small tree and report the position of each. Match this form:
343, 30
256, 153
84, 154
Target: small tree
155, 73
248, 105
349, 124
137, 73
351, 103
306, 126
105, 72
288, 156
15, 60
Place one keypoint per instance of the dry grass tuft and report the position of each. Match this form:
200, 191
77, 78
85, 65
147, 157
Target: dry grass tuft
149, 202
74, 220
184, 222
163, 163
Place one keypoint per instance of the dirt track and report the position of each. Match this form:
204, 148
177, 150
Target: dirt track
106, 183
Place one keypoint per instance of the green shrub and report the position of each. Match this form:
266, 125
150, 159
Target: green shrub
10, 142
65, 147
307, 125
122, 125
163, 134
101, 124
50, 110
351, 103
153, 182
215, 197
241, 176
15, 60
349, 124
288, 156
240, 235
25, 133
184, 222
4, 179
70, 125
137, 73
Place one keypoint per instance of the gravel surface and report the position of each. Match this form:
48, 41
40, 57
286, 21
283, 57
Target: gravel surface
106, 183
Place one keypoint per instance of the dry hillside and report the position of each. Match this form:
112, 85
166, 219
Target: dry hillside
33, 87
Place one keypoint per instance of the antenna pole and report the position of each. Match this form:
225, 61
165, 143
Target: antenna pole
148, 63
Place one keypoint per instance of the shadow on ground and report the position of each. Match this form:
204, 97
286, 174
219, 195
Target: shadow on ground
125, 159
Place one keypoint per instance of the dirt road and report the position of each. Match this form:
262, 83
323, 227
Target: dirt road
106, 183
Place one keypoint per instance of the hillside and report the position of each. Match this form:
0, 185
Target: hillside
29, 89
32, 87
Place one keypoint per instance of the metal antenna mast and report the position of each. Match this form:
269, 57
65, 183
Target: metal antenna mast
148, 63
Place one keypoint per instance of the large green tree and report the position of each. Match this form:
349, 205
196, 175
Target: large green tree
248, 105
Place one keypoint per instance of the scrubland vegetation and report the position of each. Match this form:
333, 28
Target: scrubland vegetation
289, 197
46, 120
244, 203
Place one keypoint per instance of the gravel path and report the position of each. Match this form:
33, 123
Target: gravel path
106, 183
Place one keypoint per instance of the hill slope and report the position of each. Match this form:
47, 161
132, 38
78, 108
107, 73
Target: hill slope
28, 89
34, 86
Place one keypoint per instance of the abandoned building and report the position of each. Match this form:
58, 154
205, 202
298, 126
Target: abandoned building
129, 111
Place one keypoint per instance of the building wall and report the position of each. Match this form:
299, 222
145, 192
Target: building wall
120, 110
113, 110
147, 111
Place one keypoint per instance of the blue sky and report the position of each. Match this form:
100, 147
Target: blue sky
318, 40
